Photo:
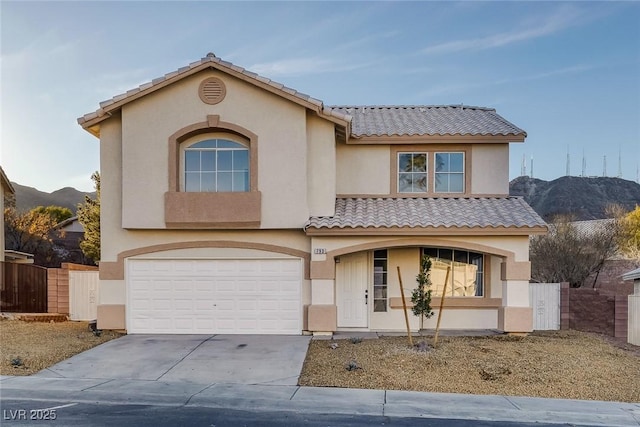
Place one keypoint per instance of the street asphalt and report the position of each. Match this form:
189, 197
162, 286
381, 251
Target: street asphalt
260, 373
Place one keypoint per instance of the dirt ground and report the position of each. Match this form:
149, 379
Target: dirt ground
28, 347
558, 364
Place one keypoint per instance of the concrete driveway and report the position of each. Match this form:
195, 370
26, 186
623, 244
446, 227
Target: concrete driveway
198, 359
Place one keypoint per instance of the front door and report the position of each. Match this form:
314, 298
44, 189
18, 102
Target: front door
352, 294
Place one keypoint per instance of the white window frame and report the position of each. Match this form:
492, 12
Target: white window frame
189, 148
449, 173
425, 172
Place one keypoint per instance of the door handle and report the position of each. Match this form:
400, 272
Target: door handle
366, 296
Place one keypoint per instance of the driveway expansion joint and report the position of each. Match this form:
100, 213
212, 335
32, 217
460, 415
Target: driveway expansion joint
98, 385
294, 392
195, 394
513, 403
185, 356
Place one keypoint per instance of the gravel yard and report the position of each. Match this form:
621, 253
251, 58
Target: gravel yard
558, 364
28, 347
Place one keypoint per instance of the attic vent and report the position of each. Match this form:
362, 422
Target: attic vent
212, 90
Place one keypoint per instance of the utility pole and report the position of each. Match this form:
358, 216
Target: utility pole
532, 166
584, 164
568, 170
604, 165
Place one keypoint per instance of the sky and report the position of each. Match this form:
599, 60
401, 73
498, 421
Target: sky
568, 73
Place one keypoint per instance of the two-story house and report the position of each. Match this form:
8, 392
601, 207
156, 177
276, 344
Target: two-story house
234, 204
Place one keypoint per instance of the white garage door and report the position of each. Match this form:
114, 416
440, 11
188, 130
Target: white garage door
240, 296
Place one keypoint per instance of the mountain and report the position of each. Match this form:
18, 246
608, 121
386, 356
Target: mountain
585, 198
28, 197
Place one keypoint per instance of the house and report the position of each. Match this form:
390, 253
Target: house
234, 204
6, 189
8, 255
66, 237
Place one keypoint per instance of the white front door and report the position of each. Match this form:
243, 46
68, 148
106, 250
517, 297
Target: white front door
351, 297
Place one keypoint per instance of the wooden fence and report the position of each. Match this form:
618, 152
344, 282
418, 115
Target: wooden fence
23, 288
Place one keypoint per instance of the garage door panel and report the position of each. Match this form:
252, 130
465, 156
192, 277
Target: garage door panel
214, 296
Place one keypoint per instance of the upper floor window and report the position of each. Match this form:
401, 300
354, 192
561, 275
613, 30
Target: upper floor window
466, 277
449, 173
412, 172
216, 165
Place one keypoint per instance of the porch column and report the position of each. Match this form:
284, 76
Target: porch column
516, 314
322, 314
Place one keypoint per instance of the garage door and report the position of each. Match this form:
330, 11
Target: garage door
241, 296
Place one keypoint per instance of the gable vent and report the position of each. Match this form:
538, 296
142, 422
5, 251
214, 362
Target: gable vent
212, 90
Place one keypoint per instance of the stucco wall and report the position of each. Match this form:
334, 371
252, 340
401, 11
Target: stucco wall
110, 188
490, 169
281, 127
362, 169
321, 164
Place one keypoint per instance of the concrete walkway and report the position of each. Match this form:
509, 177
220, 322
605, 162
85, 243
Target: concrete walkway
321, 400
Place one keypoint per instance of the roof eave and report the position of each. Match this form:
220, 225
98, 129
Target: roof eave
91, 121
5, 182
438, 138
425, 231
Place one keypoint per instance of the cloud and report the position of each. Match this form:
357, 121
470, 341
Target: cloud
563, 18
304, 66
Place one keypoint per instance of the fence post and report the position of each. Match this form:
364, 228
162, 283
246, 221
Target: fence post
564, 306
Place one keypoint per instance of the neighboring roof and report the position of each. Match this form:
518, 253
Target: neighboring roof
432, 120
431, 212
210, 61
632, 275
592, 226
5, 182
67, 222
17, 256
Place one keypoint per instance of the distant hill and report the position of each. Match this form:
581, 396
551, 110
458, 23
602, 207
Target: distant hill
28, 197
585, 198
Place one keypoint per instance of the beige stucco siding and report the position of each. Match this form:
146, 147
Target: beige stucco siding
490, 169
110, 188
362, 169
321, 166
281, 127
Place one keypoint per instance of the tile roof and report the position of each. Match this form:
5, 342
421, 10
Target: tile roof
426, 120
631, 275
214, 62
430, 212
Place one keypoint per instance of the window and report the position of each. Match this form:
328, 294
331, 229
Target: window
380, 280
449, 173
412, 172
216, 165
467, 272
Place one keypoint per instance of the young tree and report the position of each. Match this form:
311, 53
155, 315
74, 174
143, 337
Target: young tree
567, 254
89, 217
421, 296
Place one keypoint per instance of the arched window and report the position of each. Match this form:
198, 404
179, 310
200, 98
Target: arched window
216, 165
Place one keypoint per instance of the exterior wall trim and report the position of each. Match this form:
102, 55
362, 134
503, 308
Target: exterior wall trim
434, 139
115, 270
426, 231
212, 124
430, 150
452, 302
327, 270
